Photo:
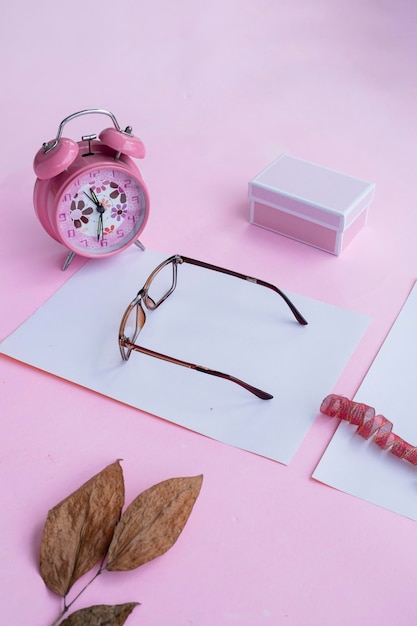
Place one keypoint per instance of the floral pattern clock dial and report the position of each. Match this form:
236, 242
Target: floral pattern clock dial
101, 211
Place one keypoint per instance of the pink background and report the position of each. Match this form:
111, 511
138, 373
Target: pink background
216, 90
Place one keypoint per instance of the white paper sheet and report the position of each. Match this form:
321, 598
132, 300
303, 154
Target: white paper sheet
359, 467
211, 319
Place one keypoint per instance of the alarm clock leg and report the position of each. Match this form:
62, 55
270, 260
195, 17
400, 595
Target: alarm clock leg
140, 245
68, 260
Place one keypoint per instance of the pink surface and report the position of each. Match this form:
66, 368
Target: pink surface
216, 91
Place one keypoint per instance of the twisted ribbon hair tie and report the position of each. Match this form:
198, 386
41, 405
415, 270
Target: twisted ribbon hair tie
369, 425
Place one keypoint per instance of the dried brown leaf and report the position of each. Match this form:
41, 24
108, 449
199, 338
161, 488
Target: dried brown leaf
101, 615
79, 529
152, 523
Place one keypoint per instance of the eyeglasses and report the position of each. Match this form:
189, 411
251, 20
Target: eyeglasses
158, 287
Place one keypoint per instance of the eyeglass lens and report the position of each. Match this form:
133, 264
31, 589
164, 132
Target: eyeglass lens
132, 324
162, 282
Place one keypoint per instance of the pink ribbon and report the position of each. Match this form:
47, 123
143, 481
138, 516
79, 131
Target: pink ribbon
369, 425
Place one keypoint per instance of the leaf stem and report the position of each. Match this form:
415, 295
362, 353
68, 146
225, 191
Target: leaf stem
68, 606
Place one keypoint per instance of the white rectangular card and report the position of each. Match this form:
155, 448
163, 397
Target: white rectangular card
212, 320
358, 466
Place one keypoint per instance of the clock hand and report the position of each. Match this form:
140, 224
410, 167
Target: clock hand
100, 209
100, 226
92, 199
95, 199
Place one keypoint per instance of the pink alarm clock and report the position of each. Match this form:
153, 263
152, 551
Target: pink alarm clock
89, 195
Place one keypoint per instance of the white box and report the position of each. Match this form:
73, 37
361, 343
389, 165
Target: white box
310, 203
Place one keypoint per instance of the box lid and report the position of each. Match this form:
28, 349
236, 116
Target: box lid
318, 193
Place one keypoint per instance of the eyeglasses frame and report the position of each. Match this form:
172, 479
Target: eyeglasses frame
126, 345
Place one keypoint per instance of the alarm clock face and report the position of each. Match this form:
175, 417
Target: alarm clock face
101, 211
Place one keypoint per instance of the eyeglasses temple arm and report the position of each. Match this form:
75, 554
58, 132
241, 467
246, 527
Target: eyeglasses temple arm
263, 395
300, 318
